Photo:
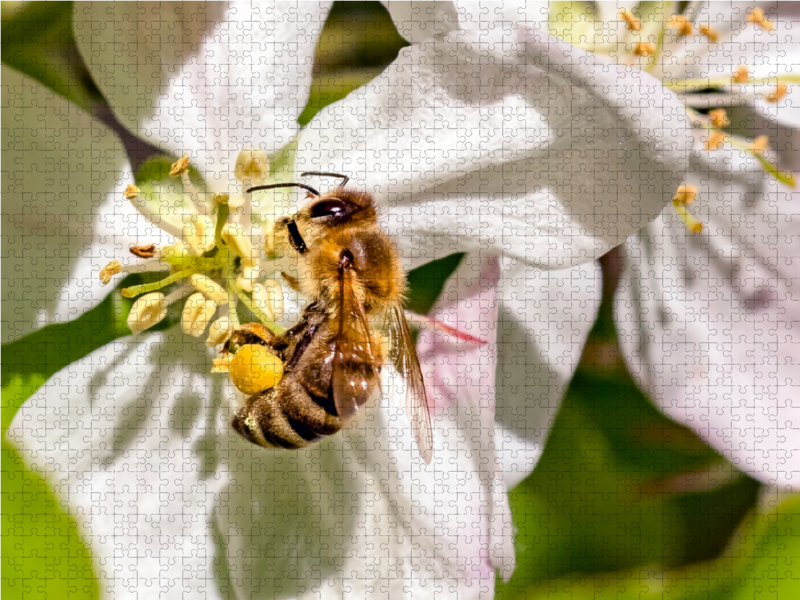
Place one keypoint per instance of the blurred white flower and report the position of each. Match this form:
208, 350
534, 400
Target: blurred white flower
507, 147
705, 305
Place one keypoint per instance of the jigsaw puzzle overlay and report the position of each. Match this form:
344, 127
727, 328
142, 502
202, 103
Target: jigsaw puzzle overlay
399, 299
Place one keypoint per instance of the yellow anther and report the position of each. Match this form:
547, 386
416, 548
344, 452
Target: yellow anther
252, 164
760, 144
147, 311
197, 313
107, 272
741, 75
247, 279
757, 16
177, 252
719, 118
222, 364
221, 199
198, 234
237, 240
179, 166
644, 49
682, 24
131, 192
777, 94
691, 223
709, 32
255, 369
219, 332
685, 195
209, 288
144, 251
631, 22
715, 140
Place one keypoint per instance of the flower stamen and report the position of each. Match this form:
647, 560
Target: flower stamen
107, 272
179, 166
644, 49
147, 311
691, 223
760, 145
719, 118
631, 22
757, 16
711, 33
148, 251
682, 24
131, 192
685, 195
197, 313
208, 287
741, 75
777, 94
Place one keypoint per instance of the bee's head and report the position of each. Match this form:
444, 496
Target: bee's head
325, 215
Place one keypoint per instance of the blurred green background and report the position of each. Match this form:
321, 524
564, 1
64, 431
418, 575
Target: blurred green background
623, 504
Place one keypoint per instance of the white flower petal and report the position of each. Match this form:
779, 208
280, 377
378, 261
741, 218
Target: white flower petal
515, 145
64, 215
463, 373
205, 78
419, 21
360, 515
130, 437
708, 322
137, 438
488, 15
543, 326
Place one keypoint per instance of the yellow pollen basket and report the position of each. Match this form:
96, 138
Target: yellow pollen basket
255, 369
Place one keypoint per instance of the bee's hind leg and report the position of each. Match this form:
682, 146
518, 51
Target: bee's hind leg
261, 421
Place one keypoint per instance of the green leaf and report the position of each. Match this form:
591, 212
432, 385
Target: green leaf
359, 40
606, 497
425, 283
771, 567
38, 40
43, 554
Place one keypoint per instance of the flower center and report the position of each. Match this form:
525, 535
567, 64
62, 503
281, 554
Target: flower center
213, 262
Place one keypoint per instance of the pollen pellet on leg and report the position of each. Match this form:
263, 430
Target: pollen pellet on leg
255, 369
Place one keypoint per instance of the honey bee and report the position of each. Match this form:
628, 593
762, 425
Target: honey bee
350, 272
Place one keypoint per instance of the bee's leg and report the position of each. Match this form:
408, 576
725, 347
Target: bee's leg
262, 422
249, 333
306, 413
256, 330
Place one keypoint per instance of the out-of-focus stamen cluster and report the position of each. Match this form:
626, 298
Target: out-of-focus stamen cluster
685, 195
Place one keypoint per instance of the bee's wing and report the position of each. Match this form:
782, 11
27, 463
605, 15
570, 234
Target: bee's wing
404, 356
354, 372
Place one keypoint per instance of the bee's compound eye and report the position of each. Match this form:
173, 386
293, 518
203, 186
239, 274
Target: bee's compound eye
333, 207
255, 369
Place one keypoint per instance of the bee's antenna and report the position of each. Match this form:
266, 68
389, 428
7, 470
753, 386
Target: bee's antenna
283, 185
345, 178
